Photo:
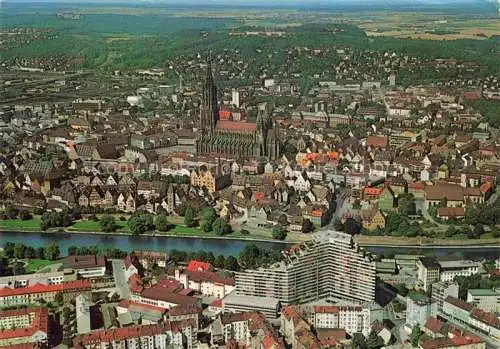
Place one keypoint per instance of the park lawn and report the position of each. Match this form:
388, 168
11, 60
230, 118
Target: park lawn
91, 226
19, 224
183, 230
36, 264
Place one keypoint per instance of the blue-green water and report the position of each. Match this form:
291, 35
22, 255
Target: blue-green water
217, 246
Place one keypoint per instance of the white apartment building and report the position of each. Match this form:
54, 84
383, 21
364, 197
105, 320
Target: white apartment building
352, 318
485, 299
441, 290
205, 282
24, 326
52, 278
451, 269
329, 265
419, 310
159, 336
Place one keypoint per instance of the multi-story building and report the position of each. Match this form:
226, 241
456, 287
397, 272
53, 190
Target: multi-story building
90, 266
418, 310
465, 313
484, 299
52, 278
329, 265
427, 272
451, 269
441, 290
397, 139
24, 326
235, 303
43, 293
351, 318
211, 179
159, 336
205, 282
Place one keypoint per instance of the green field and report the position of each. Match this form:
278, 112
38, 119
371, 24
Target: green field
37, 264
95, 226
18, 224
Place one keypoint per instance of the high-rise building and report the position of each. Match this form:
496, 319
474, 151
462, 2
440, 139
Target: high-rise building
331, 265
235, 98
441, 290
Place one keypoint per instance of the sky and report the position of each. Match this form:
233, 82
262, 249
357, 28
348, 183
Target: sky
275, 2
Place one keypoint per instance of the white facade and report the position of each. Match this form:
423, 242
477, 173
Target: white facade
487, 300
418, 311
451, 269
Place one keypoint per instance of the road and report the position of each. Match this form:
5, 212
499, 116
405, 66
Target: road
121, 284
419, 205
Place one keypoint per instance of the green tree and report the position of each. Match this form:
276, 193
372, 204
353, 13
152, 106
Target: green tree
231, 263
374, 341
52, 252
415, 335
210, 258
141, 223
358, 341
19, 250
30, 252
25, 215
178, 256
18, 268
161, 222
249, 256
11, 212
72, 250
406, 204
219, 261
207, 218
40, 253
279, 233
108, 223
8, 249
190, 217
221, 226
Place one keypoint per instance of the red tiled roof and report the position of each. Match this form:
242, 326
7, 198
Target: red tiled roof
80, 262
216, 303
40, 322
210, 276
135, 284
485, 187
486, 317
451, 212
372, 191
40, 288
194, 265
235, 126
119, 334
458, 303
433, 324
330, 309
377, 141
166, 296
184, 310
449, 342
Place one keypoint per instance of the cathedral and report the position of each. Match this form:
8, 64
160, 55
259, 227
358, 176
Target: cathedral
233, 138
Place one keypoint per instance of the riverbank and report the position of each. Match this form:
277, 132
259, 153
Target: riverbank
419, 242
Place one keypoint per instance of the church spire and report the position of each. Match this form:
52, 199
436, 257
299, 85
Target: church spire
209, 108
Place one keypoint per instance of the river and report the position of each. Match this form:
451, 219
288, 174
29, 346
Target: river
217, 246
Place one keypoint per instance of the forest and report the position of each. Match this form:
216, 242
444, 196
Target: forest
128, 41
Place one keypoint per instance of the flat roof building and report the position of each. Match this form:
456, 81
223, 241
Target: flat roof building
330, 265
